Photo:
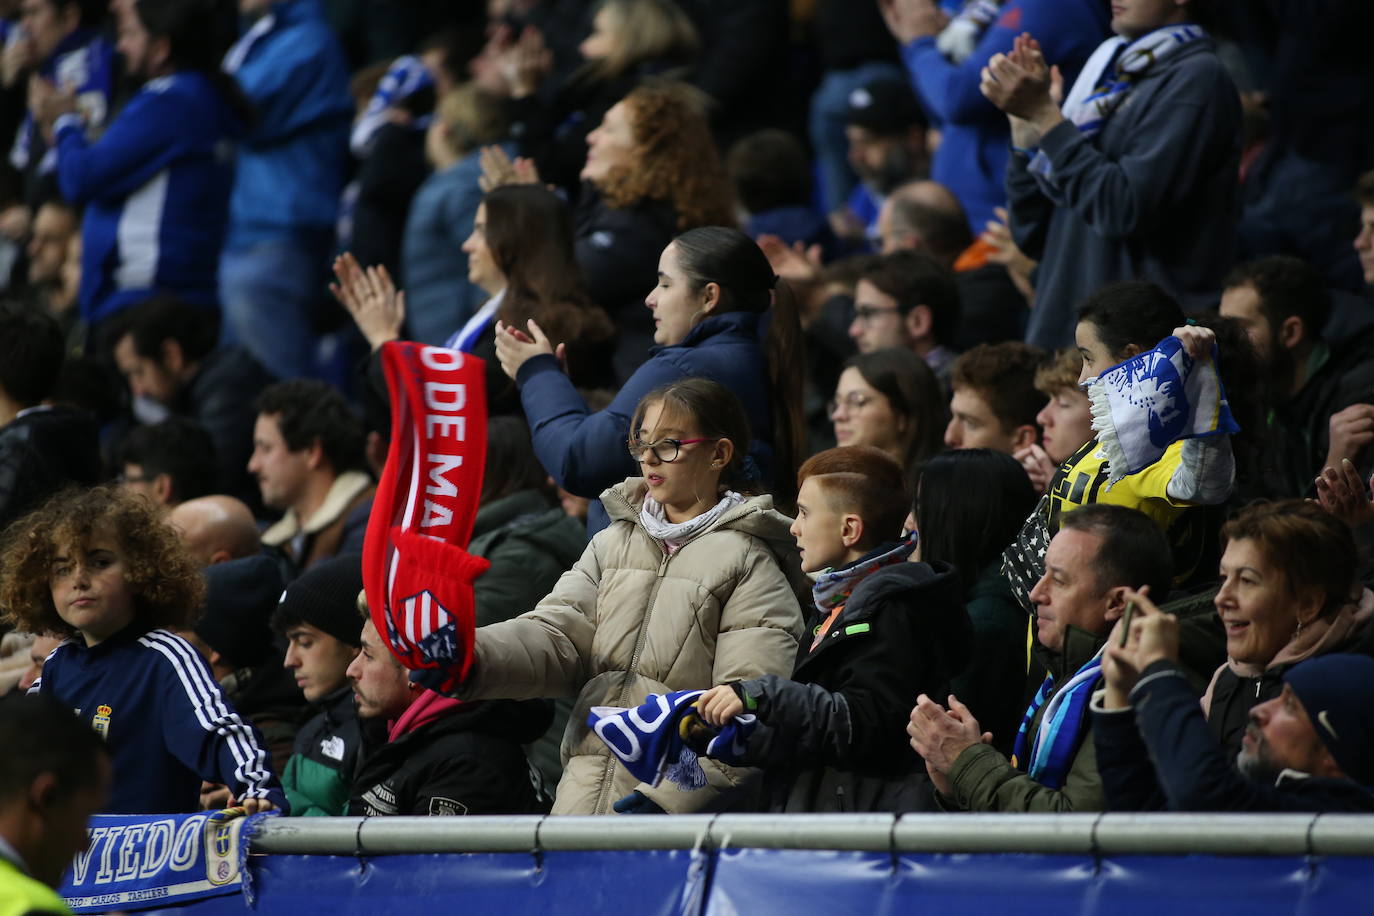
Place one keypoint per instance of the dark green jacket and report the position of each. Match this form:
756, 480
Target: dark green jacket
530, 546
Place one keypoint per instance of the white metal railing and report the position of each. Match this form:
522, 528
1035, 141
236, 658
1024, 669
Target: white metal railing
1064, 834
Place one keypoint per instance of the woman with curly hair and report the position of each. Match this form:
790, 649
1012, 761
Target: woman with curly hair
100, 568
630, 40
652, 172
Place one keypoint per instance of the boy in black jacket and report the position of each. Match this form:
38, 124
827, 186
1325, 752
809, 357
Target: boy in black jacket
886, 630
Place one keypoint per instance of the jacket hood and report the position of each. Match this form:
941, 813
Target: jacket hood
755, 516
1080, 646
503, 511
936, 585
64, 435
933, 591
521, 721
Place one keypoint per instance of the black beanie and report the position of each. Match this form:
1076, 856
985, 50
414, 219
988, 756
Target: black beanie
326, 597
239, 598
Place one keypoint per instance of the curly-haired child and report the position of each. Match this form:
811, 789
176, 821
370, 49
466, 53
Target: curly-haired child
102, 569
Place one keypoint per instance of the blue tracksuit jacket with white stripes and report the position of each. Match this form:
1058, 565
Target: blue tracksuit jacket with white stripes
168, 727
156, 191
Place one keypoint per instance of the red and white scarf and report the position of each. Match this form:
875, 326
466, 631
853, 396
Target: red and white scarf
416, 571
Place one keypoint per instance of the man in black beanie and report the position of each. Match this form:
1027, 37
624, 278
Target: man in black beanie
318, 615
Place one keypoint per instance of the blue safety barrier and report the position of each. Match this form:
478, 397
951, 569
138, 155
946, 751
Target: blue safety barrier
1108, 865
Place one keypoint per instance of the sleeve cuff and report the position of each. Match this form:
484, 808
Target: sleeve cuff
70, 119
1157, 671
534, 365
1061, 137
1096, 707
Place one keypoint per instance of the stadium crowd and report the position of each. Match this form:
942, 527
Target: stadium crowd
798, 322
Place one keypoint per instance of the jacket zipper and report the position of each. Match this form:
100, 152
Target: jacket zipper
609, 770
608, 773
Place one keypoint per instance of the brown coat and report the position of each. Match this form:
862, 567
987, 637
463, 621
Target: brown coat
628, 620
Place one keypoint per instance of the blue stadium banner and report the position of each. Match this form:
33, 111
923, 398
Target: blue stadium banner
142, 861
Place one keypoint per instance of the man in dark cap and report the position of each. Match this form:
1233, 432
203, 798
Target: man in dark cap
886, 131
1311, 748
318, 615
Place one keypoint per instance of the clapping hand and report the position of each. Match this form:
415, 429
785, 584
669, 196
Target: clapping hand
514, 347
1021, 84
1342, 492
499, 170
377, 306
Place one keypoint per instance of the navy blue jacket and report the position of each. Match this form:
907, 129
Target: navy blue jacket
1159, 754
155, 188
168, 727
585, 452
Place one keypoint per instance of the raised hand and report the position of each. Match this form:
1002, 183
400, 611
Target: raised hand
997, 233
1342, 492
1022, 85
1350, 431
514, 347
1150, 635
1040, 467
796, 263
1197, 341
525, 62
377, 306
909, 20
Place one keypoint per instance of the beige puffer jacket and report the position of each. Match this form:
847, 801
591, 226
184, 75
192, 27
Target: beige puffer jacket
628, 620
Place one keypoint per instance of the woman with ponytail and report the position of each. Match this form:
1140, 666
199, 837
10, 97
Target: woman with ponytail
717, 315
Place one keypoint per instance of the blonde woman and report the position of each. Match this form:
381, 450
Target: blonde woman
439, 294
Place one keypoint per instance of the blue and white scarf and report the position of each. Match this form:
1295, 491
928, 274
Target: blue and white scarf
1108, 77
1143, 405
143, 861
958, 39
1060, 728
406, 76
652, 740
